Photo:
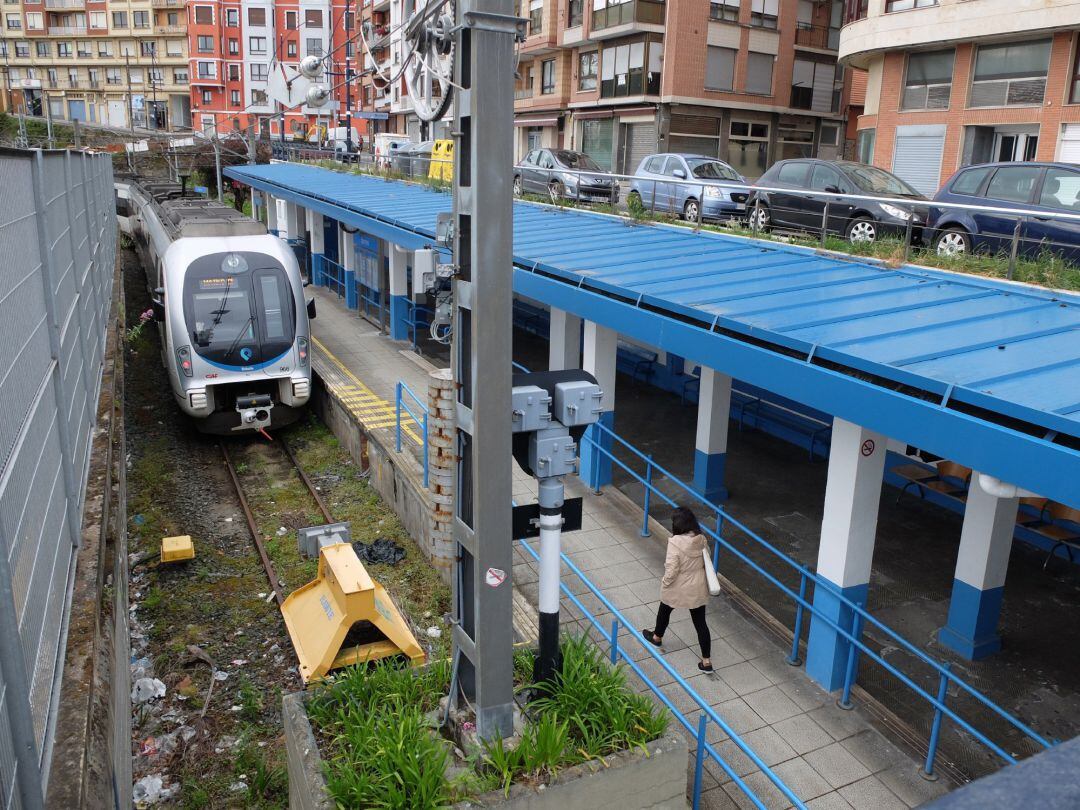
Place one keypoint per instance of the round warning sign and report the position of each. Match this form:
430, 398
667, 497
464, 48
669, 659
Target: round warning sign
868, 447
495, 577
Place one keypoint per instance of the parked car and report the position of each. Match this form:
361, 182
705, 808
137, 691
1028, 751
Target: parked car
658, 186
564, 174
856, 220
1044, 187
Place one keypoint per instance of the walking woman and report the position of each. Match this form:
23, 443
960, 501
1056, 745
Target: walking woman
684, 584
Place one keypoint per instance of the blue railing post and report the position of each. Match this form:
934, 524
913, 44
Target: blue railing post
614, 641
927, 772
397, 411
793, 659
699, 763
648, 492
853, 651
716, 545
424, 449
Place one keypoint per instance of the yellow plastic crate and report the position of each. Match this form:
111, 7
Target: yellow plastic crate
175, 549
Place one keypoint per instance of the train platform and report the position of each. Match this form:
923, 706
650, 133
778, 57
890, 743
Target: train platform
829, 757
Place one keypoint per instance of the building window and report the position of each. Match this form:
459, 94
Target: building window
42, 48
157, 77
904, 5
290, 48
313, 18
119, 19
13, 22
207, 70
63, 49
256, 16
597, 140
1075, 96
314, 46
234, 73
204, 15
794, 142
623, 69
140, 19
536, 16
608, 13
763, 13
928, 83
174, 47
135, 75
234, 98
814, 85
864, 146
575, 14
98, 19
830, 134
588, 63
759, 69
207, 97
205, 44
232, 17
22, 49
290, 20
82, 49
234, 46
748, 147
719, 68
257, 45
1010, 74
146, 46
104, 49
547, 77
112, 76
180, 76
724, 10
259, 72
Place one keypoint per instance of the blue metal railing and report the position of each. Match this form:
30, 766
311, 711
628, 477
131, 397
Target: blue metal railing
334, 275
418, 318
420, 419
852, 635
699, 730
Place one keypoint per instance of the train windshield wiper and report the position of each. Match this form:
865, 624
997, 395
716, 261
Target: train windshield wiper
220, 311
239, 336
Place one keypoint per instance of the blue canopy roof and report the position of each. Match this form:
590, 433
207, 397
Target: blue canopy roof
1005, 353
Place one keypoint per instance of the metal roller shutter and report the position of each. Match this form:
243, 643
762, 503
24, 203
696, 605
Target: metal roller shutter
691, 145
1069, 151
640, 143
917, 156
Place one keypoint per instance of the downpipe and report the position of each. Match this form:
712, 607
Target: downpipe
1000, 489
549, 656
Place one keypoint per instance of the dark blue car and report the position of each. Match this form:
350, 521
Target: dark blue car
1050, 188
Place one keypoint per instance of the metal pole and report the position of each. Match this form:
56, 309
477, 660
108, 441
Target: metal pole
482, 235
849, 674
824, 223
548, 658
1015, 245
699, 762
217, 164
648, 488
793, 659
907, 234
927, 772
348, 83
614, 648
75, 133
49, 130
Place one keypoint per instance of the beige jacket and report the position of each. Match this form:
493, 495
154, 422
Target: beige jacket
684, 585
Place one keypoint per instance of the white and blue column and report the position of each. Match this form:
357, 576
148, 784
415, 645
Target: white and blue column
318, 247
564, 340
347, 252
979, 584
271, 215
710, 444
848, 528
399, 293
598, 358
293, 214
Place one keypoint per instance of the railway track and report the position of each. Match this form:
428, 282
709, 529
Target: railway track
276, 583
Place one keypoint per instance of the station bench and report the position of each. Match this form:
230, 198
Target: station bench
530, 318
948, 479
641, 360
1055, 522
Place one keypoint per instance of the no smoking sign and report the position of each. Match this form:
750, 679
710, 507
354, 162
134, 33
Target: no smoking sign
868, 447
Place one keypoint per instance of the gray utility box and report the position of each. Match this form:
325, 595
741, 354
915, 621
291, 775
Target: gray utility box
577, 403
312, 538
552, 452
531, 409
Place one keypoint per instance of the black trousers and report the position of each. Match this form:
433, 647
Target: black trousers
697, 615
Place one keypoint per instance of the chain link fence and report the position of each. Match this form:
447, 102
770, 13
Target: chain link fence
57, 257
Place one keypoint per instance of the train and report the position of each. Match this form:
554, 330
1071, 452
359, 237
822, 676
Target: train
228, 299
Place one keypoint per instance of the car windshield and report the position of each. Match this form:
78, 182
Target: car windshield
705, 169
871, 178
238, 316
576, 160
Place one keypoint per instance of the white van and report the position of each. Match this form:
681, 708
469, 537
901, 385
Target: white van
338, 138
387, 145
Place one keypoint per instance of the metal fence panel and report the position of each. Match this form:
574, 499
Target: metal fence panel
57, 258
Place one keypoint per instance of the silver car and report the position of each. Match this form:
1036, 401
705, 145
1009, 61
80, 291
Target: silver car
564, 175
691, 185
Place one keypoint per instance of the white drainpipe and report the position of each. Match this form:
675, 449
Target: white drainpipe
1000, 489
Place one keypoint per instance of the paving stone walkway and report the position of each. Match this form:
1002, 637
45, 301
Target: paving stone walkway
830, 758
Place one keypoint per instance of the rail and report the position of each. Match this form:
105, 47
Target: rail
803, 603
420, 419
708, 713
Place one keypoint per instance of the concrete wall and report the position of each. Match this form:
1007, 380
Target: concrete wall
307, 787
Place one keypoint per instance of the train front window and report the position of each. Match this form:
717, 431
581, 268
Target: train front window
239, 317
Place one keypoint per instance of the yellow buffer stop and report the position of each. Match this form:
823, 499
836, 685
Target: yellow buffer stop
344, 617
175, 549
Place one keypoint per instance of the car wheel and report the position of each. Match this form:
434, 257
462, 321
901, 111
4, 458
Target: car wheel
517, 185
953, 242
759, 218
633, 200
690, 210
557, 190
862, 229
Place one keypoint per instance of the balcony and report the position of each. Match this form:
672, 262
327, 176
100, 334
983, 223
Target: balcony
817, 36
67, 30
79, 4
623, 18
523, 92
167, 3
170, 29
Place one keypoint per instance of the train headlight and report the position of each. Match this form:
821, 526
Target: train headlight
183, 361
302, 350
234, 263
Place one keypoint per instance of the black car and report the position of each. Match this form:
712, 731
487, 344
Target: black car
856, 220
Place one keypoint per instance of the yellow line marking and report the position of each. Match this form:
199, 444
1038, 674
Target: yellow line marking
372, 410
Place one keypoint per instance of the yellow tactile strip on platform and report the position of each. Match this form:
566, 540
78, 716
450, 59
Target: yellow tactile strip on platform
370, 410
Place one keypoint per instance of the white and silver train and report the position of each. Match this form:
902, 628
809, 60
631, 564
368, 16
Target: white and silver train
229, 302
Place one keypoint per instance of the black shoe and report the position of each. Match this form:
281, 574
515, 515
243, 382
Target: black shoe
705, 667
651, 638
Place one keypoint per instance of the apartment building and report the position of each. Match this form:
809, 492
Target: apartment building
244, 55
111, 62
952, 83
748, 81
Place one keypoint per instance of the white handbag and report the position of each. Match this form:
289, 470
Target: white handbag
710, 573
